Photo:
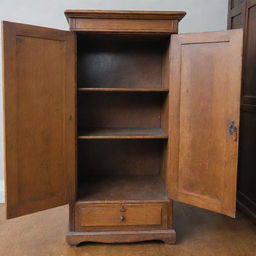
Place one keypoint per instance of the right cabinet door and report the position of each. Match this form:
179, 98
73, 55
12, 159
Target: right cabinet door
205, 84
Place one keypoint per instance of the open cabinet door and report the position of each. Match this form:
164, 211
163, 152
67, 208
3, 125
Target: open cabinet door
39, 95
204, 119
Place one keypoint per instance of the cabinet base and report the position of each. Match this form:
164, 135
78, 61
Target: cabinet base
75, 238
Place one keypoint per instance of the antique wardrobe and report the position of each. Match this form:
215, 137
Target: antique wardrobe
118, 117
242, 14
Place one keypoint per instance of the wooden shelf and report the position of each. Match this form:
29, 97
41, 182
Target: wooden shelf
122, 187
123, 133
159, 90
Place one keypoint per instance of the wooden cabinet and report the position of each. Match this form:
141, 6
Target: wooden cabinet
118, 117
242, 14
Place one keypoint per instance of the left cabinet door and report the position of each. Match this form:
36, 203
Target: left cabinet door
39, 106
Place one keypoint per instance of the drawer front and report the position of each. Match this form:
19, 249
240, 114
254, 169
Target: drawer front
120, 216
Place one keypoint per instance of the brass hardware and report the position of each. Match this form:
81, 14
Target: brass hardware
232, 129
122, 218
122, 209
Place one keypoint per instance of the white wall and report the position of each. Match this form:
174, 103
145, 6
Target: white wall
202, 15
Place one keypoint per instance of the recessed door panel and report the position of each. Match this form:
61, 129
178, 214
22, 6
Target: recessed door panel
204, 118
39, 112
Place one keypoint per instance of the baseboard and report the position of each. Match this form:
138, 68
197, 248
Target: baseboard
2, 197
75, 238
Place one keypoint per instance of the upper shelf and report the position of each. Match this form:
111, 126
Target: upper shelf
160, 90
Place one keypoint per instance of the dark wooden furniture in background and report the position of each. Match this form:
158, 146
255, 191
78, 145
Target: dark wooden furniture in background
118, 117
242, 14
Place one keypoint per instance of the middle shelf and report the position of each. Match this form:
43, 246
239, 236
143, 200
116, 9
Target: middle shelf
122, 116
122, 133
124, 90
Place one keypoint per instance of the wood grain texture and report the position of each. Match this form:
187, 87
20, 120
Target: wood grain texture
123, 81
235, 3
120, 61
124, 14
119, 157
246, 176
119, 110
106, 216
167, 236
122, 187
124, 21
237, 19
110, 215
123, 133
196, 229
119, 97
136, 215
39, 117
246, 199
165, 110
205, 68
250, 51
111, 90
125, 26
140, 200
236, 14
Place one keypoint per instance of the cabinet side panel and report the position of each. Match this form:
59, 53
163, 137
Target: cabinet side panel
71, 135
249, 90
246, 178
247, 161
236, 14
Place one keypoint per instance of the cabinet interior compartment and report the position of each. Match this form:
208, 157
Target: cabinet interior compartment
122, 116
121, 60
113, 115
121, 169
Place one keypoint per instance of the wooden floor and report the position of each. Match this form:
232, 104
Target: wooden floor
199, 233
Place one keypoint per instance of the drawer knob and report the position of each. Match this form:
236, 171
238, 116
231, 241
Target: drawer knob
122, 209
122, 218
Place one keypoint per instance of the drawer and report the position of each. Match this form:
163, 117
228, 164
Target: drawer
114, 216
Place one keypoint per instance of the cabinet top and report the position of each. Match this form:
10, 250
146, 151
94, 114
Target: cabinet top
117, 14
124, 21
